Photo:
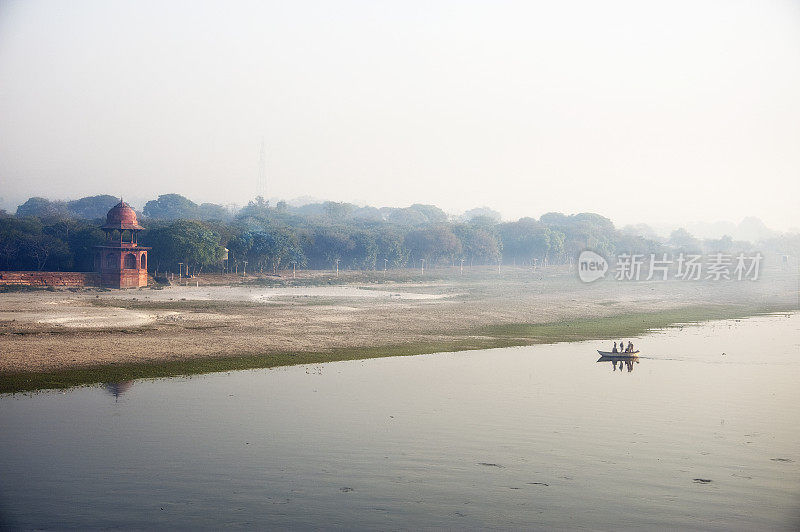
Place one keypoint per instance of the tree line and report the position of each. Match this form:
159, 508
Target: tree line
48, 235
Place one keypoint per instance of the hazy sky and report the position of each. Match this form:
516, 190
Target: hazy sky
659, 112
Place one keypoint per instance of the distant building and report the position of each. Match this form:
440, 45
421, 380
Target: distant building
121, 261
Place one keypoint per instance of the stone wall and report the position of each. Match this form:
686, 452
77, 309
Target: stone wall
125, 278
44, 279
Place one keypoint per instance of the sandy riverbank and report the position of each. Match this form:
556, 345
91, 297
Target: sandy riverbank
46, 331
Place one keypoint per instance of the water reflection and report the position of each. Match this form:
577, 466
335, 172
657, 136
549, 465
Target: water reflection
624, 362
118, 388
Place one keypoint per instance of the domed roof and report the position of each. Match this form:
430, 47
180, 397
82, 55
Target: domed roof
122, 216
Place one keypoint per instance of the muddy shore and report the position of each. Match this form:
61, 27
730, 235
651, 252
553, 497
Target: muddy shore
45, 331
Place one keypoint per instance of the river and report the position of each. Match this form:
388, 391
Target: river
703, 432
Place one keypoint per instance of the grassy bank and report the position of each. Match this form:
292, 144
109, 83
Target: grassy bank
503, 335
617, 326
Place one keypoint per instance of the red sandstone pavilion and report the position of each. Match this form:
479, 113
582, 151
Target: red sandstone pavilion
121, 261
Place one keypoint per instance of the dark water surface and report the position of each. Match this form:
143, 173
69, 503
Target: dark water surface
532, 437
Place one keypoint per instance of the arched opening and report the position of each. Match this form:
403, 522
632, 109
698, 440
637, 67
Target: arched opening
130, 261
144, 261
111, 262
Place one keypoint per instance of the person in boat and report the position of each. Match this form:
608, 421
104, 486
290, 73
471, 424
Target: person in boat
615, 348
630, 347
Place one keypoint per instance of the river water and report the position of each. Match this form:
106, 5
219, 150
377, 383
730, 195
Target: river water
702, 433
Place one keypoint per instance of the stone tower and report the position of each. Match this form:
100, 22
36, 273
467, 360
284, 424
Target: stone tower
121, 261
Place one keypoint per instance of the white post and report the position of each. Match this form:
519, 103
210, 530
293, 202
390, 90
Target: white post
423, 265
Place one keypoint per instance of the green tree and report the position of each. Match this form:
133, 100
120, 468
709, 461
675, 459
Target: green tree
171, 207
524, 240
331, 245
581, 231
338, 211
82, 240
390, 242
434, 244
43, 208
364, 255
212, 211
257, 209
484, 212
275, 247
186, 241
45, 250
719, 245
239, 247
91, 207
479, 243
684, 242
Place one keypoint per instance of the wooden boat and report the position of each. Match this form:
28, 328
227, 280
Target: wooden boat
611, 354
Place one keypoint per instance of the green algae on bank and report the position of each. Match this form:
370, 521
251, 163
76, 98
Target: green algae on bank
619, 325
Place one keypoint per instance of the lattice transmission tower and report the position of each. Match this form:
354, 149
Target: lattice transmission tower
261, 183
